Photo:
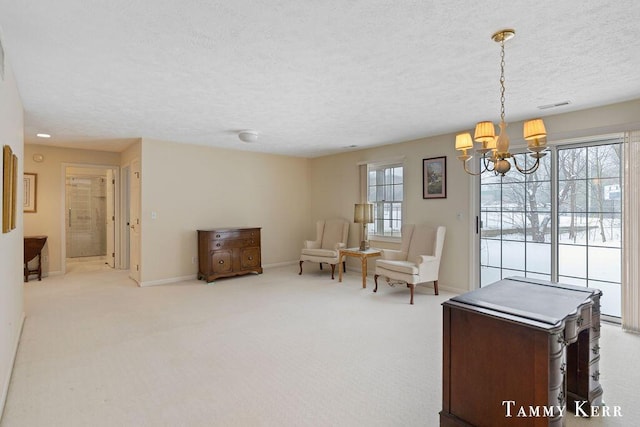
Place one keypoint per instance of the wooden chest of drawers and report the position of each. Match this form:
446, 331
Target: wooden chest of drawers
224, 252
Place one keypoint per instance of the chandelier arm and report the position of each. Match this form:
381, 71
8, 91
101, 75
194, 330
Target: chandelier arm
472, 173
487, 161
485, 164
532, 169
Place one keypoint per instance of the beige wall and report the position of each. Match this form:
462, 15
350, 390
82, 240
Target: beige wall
50, 205
335, 189
11, 243
193, 187
335, 183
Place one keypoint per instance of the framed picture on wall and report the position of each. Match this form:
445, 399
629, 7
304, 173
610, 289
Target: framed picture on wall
9, 193
434, 178
30, 192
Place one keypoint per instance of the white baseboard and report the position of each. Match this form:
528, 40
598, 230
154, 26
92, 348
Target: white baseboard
167, 281
5, 389
280, 264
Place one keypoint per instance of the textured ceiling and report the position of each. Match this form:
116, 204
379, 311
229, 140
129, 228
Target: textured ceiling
312, 77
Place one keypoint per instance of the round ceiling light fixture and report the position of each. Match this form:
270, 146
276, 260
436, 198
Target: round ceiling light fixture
248, 135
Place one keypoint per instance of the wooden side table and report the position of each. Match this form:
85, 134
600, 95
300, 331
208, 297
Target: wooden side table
363, 255
33, 248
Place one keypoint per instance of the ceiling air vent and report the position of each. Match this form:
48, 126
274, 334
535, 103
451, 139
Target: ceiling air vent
558, 104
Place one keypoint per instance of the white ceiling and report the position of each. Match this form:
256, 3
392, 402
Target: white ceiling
312, 77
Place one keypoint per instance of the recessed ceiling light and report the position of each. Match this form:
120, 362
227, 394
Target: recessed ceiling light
248, 135
43, 135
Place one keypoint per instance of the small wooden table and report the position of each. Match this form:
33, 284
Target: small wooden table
363, 255
33, 248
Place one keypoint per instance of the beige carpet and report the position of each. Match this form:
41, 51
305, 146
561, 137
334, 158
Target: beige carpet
271, 350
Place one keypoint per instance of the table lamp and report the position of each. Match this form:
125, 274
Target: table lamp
363, 214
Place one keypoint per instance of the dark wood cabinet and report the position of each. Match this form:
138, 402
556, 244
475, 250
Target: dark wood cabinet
225, 252
526, 341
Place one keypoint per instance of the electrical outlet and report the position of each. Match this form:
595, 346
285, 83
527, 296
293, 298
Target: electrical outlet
194, 259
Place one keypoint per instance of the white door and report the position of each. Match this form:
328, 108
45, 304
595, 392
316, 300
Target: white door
134, 219
111, 219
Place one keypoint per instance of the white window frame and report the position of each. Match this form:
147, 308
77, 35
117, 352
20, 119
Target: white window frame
394, 235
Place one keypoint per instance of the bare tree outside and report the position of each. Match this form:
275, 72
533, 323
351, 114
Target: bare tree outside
517, 225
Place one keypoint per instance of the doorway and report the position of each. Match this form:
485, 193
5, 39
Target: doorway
90, 215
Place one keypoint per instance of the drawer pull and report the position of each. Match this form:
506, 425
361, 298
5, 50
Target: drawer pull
250, 258
217, 235
563, 368
596, 349
596, 375
221, 262
580, 321
218, 244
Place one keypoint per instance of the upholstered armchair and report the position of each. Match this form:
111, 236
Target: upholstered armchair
417, 261
331, 236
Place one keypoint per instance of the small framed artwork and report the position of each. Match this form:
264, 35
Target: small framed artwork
434, 178
30, 192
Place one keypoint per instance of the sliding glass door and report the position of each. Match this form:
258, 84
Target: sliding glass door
561, 223
516, 223
590, 220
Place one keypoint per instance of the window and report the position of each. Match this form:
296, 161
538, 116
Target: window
562, 223
385, 192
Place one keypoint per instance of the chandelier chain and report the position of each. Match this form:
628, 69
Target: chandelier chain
502, 79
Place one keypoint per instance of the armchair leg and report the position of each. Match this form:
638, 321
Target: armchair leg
344, 266
435, 286
320, 266
375, 280
300, 268
412, 288
333, 269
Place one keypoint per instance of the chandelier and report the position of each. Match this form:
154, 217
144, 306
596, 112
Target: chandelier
495, 150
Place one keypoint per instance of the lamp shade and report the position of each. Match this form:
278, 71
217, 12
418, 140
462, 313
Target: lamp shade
363, 213
534, 129
463, 141
485, 132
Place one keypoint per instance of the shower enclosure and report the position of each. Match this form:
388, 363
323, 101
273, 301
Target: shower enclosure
85, 215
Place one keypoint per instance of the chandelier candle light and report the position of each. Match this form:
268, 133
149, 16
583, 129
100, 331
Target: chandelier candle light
495, 150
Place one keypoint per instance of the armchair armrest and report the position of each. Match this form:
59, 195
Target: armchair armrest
340, 245
428, 267
422, 259
394, 255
